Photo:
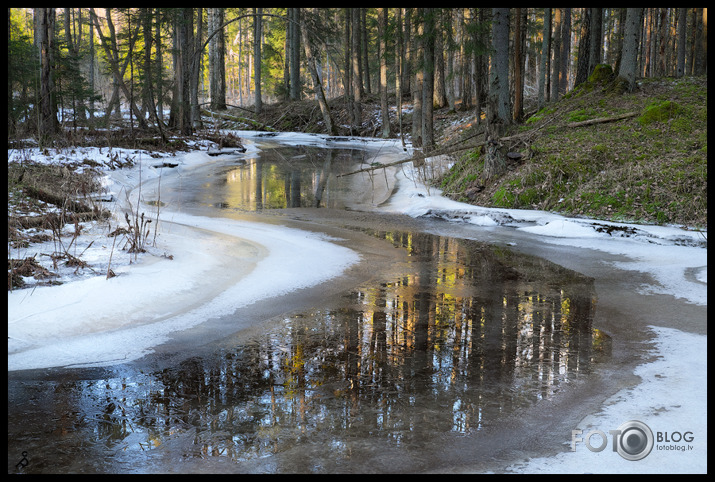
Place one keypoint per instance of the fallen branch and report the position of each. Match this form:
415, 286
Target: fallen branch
421, 157
234, 118
601, 120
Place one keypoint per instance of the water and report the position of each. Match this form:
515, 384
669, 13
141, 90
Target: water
458, 339
282, 177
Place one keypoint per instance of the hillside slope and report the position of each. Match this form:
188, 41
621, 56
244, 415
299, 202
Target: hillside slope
650, 167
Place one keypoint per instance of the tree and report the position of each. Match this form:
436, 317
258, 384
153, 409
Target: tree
428, 79
545, 51
217, 63
112, 55
518, 68
584, 48
596, 40
682, 21
317, 82
556, 63
498, 108
382, 34
629, 57
45, 18
356, 67
257, 33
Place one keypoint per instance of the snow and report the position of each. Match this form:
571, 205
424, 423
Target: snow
672, 399
93, 321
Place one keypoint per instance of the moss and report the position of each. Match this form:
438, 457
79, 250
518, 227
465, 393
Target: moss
602, 74
660, 111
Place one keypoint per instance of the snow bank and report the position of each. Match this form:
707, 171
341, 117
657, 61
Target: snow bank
100, 322
673, 256
672, 400
218, 266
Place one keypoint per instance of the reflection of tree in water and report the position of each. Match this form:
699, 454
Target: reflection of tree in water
468, 334
285, 177
473, 333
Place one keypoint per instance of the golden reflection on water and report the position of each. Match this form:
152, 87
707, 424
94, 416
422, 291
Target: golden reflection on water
467, 334
272, 182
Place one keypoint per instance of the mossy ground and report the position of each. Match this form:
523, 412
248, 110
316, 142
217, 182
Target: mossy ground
649, 168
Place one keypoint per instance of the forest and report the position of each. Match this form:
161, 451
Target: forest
159, 73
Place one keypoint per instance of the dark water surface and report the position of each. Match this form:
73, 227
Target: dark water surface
460, 338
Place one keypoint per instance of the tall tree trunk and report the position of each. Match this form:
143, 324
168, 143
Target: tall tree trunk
257, 34
399, 48
382, 32
596, 42
217, 64
440, 85
498, 109
545, 51
48, 110
349, 101
364, 52
584, 49
357, 71
701, 42
185, 31
556, 62
417, 81
518, 68
629, 57
428, 85
565, 51
449, 41
317, 82
682, 21
295, 56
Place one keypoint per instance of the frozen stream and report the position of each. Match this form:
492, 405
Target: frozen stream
337, 340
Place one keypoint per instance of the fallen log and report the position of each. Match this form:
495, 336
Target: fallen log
419, 159
234, 118
602, 120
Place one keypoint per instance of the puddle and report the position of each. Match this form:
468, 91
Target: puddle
455, 340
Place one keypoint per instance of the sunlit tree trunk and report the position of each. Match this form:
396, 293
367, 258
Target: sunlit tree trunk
48, 109
217, 64
257, 33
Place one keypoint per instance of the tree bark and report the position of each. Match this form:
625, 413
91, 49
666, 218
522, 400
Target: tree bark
48, 110
498, 109
356, 67
584, 48
629, 57
382, 32
257, 34
217, 64
518, 68
545, 51
556, 62
428, 85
